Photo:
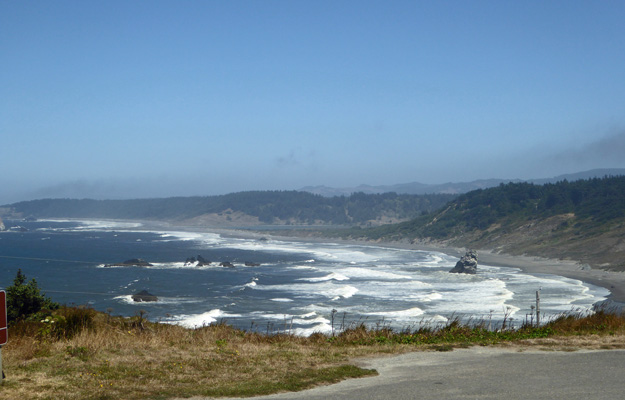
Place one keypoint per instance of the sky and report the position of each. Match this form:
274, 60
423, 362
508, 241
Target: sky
127, 99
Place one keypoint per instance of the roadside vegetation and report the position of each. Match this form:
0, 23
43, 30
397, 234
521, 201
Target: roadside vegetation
79, 353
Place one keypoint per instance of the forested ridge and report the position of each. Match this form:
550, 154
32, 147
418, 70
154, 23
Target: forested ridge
268, 206
563, 219
582, 220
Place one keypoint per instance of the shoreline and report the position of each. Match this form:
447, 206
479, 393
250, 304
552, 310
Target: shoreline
611, 280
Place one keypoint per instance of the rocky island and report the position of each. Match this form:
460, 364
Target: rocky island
467, 264
144, 295
134, 262
198, 262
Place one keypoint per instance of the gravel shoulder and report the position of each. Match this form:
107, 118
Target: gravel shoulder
482, 373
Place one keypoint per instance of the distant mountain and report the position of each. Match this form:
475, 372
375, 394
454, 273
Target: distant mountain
407, 188
454, 188
593, 173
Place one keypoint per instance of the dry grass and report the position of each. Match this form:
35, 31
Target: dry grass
95, 356
120, 358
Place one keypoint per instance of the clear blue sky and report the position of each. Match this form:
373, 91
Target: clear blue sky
160, 98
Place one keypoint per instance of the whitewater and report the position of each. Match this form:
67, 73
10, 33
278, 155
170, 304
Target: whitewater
274, 285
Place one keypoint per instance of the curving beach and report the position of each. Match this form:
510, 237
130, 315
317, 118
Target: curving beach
614, 281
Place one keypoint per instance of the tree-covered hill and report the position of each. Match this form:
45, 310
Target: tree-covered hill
262, 207
581, 220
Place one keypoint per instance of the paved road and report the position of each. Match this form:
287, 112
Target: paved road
483, 373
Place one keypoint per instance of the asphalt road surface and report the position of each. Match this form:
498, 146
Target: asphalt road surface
483, 373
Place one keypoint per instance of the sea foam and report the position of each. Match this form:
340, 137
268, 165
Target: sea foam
313, 279
200, 320
333, 276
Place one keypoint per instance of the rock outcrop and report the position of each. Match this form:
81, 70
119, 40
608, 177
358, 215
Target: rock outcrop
134, 262
467, 264
202, 261
144, 295
199, 262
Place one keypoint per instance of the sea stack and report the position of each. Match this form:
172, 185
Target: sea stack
467, 264
199, 262
134, 262
144, 295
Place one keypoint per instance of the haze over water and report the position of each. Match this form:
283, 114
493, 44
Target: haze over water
296, 287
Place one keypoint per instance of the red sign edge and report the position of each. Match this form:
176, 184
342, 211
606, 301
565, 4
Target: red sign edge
3, 319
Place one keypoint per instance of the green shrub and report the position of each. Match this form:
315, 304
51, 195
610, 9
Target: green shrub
25, 300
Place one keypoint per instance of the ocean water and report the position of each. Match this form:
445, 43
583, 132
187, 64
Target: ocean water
298, 287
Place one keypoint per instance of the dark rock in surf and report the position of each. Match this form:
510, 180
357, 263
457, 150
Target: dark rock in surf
144, 295
227, 264
199, 262
251, 264
134, 262
467, 264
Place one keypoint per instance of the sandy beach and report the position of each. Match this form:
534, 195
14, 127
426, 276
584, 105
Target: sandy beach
611, 280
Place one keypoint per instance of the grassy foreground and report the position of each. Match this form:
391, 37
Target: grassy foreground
78, 353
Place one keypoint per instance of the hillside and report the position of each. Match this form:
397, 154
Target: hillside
242, 209
582, 220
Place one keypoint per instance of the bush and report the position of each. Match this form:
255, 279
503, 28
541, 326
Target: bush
66, 323
25, 300
74, 320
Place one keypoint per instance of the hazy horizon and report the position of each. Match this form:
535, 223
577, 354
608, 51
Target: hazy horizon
166, 98
117, 190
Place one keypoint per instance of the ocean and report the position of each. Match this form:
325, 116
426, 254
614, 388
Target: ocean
274, 285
